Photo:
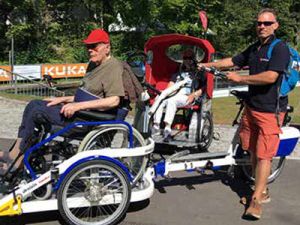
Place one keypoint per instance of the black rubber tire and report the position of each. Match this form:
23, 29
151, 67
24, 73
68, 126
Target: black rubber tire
207, 133
277, 167
93, 179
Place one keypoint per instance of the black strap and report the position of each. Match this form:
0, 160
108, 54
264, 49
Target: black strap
277, 111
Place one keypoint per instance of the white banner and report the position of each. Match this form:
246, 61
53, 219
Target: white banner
31, 72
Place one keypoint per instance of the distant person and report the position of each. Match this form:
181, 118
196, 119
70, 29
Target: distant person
264, 111
101, 90
186, 95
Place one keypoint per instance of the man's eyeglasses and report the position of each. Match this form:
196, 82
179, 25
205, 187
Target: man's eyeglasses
265, 23
92, 46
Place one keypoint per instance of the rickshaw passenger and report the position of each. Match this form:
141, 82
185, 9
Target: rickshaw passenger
101, 89
186, 95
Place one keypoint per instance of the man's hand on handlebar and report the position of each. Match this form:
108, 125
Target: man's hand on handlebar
201, 66
214, 71
234, 77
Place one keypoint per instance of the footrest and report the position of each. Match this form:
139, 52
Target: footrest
205, 155
179, 141
11, 207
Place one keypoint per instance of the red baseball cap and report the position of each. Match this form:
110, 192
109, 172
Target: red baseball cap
97, 36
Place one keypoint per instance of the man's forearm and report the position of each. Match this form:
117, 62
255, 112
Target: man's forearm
264, 78
101, 104
221, 64
69, 99
66, 99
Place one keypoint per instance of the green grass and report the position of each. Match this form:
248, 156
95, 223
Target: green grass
225, 108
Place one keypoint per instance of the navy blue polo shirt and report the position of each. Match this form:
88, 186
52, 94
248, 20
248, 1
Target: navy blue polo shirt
263, 98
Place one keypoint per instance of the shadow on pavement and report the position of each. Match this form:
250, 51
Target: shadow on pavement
32, 218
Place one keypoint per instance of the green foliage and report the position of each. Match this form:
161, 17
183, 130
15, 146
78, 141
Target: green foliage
47, 31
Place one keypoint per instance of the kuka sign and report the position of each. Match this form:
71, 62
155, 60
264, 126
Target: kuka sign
5, 73
64, 70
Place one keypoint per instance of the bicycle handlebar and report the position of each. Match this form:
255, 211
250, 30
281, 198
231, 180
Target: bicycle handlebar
215, 72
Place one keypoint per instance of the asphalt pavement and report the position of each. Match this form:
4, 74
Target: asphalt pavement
194, 199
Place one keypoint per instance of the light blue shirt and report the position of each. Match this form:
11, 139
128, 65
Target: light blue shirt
186, 90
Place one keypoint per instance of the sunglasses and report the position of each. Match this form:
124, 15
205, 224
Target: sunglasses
265, 23
93, 46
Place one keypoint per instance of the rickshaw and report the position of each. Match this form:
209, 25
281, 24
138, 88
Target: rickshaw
193, 124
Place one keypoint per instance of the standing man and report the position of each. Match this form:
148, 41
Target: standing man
261, 120
101, 90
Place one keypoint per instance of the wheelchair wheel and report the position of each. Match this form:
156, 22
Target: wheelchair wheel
276, 169
95, 192
118, 137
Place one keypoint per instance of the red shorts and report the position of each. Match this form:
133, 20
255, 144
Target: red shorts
260, 133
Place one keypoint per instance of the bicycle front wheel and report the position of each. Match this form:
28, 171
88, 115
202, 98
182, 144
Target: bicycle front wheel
94, 193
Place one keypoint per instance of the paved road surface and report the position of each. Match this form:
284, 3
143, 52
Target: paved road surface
196, 200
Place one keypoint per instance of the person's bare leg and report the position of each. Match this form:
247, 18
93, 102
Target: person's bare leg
253, 166
263, 170
13, 154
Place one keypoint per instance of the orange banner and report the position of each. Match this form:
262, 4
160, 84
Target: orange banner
4, 75
64, 70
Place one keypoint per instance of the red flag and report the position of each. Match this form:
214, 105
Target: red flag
203, 19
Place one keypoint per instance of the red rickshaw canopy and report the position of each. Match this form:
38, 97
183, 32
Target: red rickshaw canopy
159, 72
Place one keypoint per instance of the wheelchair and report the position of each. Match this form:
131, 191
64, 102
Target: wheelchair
112, 132
87, 164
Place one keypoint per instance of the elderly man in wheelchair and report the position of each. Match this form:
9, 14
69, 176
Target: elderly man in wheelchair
101, 90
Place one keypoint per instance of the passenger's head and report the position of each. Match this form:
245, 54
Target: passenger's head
266, 23
98, 46
188, 60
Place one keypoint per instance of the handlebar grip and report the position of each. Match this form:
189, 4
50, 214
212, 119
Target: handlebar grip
215, 72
